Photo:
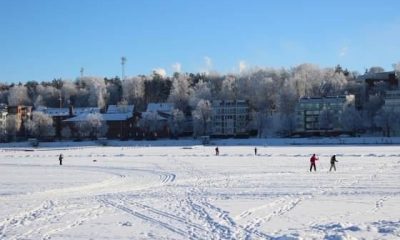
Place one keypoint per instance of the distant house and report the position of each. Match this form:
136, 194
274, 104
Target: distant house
230, 118
121, 121
311, 111
22, 114
154, 122
60, 114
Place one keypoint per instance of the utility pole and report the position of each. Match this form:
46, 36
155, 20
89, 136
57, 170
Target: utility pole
82, 69
123, 60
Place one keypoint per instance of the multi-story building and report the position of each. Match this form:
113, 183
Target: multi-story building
311, 110
392, 101
229, 118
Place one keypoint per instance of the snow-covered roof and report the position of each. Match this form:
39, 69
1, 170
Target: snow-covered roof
57, 112
78, 111
78, 118
105, 117
53, 112
116, 116
162, 107
151, 114
120, 109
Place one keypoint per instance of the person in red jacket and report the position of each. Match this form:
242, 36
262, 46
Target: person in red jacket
312, 161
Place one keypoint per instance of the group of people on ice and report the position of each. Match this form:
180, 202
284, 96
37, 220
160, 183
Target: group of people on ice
314, 158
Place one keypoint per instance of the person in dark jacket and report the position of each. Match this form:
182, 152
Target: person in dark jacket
333, 160
216, 151
60, 158
255, 151
313, 159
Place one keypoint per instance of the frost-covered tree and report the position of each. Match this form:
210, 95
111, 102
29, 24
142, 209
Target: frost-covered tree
332, 82
133, 90
150, 122
13, 125
396, 68
287, 100
287, 124
179, 94
351, 120
47, 96
18, 95
307, 80
98, 127
41, 125
114, 90
201, 90
175, 122
82, 129
97, 91
66, 132
202, 117
229, 90
68, 92
388, 121
93, 126
370, 110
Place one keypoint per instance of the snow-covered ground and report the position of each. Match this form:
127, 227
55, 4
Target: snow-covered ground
186, 192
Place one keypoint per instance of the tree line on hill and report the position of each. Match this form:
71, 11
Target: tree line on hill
268, 91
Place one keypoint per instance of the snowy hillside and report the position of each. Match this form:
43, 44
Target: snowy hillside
186, 192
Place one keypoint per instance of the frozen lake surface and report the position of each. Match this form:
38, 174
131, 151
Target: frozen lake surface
187, 192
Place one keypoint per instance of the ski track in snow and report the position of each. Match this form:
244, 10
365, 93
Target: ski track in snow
182, 199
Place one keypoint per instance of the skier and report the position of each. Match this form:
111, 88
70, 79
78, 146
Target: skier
60, 158
255, 151
312, 161
216, 151
333, 160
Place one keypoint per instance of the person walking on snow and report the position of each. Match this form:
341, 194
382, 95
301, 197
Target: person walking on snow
313, 159
333, 160
216, 151
255, 151
60, 158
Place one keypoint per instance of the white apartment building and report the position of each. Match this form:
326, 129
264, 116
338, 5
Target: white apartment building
229, 118
309, 110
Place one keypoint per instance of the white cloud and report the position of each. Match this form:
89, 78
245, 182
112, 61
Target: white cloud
242, 66
208, 62
177, 67
160, 71
343, 51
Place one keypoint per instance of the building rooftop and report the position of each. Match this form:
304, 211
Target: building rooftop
162, 107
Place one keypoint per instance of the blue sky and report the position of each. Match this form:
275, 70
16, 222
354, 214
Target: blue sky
41, 40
